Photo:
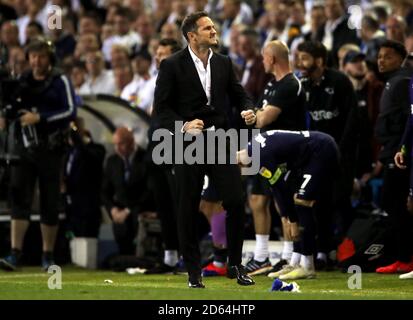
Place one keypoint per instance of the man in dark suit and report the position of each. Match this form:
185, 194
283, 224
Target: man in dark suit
125, 189
336, 32
193, 86
83, 173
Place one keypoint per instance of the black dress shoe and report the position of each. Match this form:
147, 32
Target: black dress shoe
161, 269
195, 283
240, 273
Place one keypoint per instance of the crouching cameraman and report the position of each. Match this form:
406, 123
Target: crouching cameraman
45, 104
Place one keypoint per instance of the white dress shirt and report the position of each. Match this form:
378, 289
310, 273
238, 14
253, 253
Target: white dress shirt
204, 76
328, 32
41, 17
103, 84
129, 40
203, 73
140, 92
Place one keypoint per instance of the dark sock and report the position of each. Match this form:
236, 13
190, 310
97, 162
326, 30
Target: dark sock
308, 233
16, 252
220, 255
48, 255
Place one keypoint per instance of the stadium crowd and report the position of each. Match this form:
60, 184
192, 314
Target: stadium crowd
339, 67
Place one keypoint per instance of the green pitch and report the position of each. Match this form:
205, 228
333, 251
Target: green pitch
77, 283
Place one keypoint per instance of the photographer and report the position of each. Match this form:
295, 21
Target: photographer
44, 105
83, 173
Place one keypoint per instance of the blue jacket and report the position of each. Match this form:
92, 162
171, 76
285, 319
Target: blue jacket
53, 98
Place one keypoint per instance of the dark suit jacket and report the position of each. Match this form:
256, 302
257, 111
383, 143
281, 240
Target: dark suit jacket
84, 182
341, 36
133, 194
179, 95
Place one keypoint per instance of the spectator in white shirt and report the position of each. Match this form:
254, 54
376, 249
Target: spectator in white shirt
120, 56
37, 10
233, 15
108, 30
278, 16
123, 75
197, 5
98, 79
141, 90
78, 75
171, 31
179, 11
89, 22
124, 34
137, 7
144, 26
88, 42
9, 35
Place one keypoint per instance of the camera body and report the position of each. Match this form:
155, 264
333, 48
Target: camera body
10, 100
9, 109
11, 104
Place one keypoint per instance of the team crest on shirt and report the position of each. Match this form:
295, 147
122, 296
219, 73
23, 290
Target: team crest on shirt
329, 90
265, 172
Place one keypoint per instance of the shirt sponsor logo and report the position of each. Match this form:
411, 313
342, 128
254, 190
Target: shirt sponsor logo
265, 173
323, 115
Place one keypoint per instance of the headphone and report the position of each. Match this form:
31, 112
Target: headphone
40, 44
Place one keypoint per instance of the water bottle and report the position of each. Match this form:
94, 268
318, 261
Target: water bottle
279, 285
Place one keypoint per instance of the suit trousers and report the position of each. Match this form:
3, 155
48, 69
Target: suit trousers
189, 181
394, 197
162, 184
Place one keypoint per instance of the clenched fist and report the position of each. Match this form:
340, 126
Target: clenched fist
194, 127
249, 116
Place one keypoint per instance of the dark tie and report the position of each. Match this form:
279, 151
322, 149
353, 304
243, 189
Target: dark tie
127, 170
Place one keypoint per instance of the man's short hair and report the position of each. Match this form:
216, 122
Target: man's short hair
189, 24
92, 15
36, 25
371, 22
314, 48
40, 44
79, 64
124, 12
396, 46
381, 12
236, 2
167, 42
252, 35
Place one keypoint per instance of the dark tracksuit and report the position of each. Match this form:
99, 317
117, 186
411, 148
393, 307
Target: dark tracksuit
394, 112
332, 105
53, 99
310, 156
